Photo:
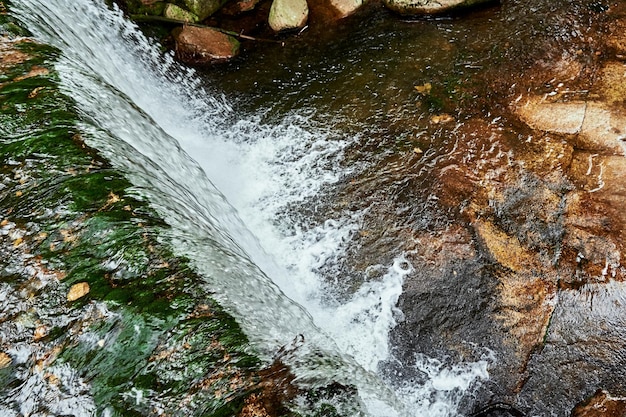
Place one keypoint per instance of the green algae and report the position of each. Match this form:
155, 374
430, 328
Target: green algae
160, 335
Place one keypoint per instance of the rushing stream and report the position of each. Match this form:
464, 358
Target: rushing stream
353, 208
224, 181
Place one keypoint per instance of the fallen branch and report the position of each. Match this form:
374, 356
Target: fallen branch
148, 18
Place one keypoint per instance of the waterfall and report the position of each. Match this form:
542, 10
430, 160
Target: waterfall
220, 179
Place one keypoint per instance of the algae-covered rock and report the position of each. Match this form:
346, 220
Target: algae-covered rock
203, 46
417, 7
147, 7
602, 404
288, 15
175, 12
204, 8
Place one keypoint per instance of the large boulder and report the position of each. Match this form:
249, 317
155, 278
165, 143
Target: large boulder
417, 7
288, 15
203, 46
204, 8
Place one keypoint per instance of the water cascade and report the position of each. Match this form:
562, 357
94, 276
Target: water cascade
220, 179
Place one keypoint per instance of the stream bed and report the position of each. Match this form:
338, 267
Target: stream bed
371, 213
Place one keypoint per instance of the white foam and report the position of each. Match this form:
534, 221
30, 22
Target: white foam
148, 114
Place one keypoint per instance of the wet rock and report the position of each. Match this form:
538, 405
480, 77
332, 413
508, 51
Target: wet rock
203, 8
604, 129
78, 291
613, 82
602, 404
175, 12
203, 46
9, 54
417, 7
238, 7
345, 8
597, 126
288, 15
564, 118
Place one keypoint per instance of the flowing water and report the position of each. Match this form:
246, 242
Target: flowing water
246, 185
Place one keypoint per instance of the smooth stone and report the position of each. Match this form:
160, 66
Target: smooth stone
345, 8
597, 126
564, 118
288, 15
203, 46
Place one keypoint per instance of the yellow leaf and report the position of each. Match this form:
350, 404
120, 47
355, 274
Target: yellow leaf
18, 193
441, 118
17, 242
424, 89
40, 332
113, 199
34, 93
78, 291
5, 360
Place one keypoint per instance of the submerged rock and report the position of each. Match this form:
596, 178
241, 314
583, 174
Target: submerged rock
204, 46
602, 404
204, 8
417, 7
288, 15
175, 12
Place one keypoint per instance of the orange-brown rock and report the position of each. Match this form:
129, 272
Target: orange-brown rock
602, 404
204, 46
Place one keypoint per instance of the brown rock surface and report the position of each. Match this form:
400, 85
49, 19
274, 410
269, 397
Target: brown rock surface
602, 404
203, 46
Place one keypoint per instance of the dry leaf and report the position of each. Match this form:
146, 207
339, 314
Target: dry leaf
78, 291
441, 118
5, 360
34, 93
424, 89
40, 332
